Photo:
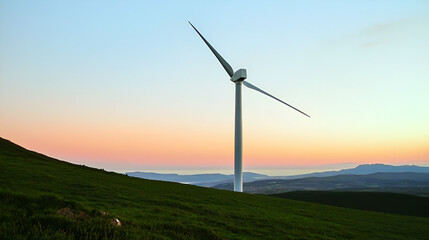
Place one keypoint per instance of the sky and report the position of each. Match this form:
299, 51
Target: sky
127, 85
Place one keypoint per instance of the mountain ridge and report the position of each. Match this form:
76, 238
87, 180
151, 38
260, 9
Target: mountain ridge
364, 169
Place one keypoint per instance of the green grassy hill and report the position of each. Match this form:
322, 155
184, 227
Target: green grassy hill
396, 203
33, 187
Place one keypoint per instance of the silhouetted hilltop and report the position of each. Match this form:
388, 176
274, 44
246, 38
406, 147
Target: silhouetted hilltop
362, 169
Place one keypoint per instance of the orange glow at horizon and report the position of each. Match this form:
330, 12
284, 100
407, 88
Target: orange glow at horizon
197, 147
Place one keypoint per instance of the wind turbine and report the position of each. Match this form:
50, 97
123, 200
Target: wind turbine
238, 78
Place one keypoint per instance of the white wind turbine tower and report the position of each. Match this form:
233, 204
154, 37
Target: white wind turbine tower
238, 78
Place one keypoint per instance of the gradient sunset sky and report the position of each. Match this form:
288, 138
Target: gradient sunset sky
130, 85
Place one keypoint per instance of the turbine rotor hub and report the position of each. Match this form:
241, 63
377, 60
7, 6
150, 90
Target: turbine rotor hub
239, 75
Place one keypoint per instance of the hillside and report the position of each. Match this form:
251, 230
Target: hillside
401, 182
371, 201
33, 187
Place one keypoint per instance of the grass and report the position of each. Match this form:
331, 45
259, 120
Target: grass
36, 218
395, 203
33, 187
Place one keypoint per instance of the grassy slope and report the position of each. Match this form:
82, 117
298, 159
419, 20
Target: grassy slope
372, 201
162, 210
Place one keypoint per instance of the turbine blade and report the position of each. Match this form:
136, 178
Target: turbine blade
251, 86
222, 61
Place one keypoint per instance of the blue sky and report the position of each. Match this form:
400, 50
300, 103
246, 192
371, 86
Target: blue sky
111, 72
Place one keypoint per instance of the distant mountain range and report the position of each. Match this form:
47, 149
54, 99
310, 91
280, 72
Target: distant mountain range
223, 181
363, 169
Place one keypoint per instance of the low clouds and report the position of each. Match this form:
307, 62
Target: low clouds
371, 44
381, 33
384, 28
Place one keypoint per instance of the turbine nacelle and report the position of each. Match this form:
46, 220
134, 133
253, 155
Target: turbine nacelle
239, 75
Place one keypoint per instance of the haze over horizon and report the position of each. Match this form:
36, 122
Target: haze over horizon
129, 85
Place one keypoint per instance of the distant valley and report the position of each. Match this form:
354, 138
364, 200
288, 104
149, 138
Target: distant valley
409, 179
401, 182
204, 180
